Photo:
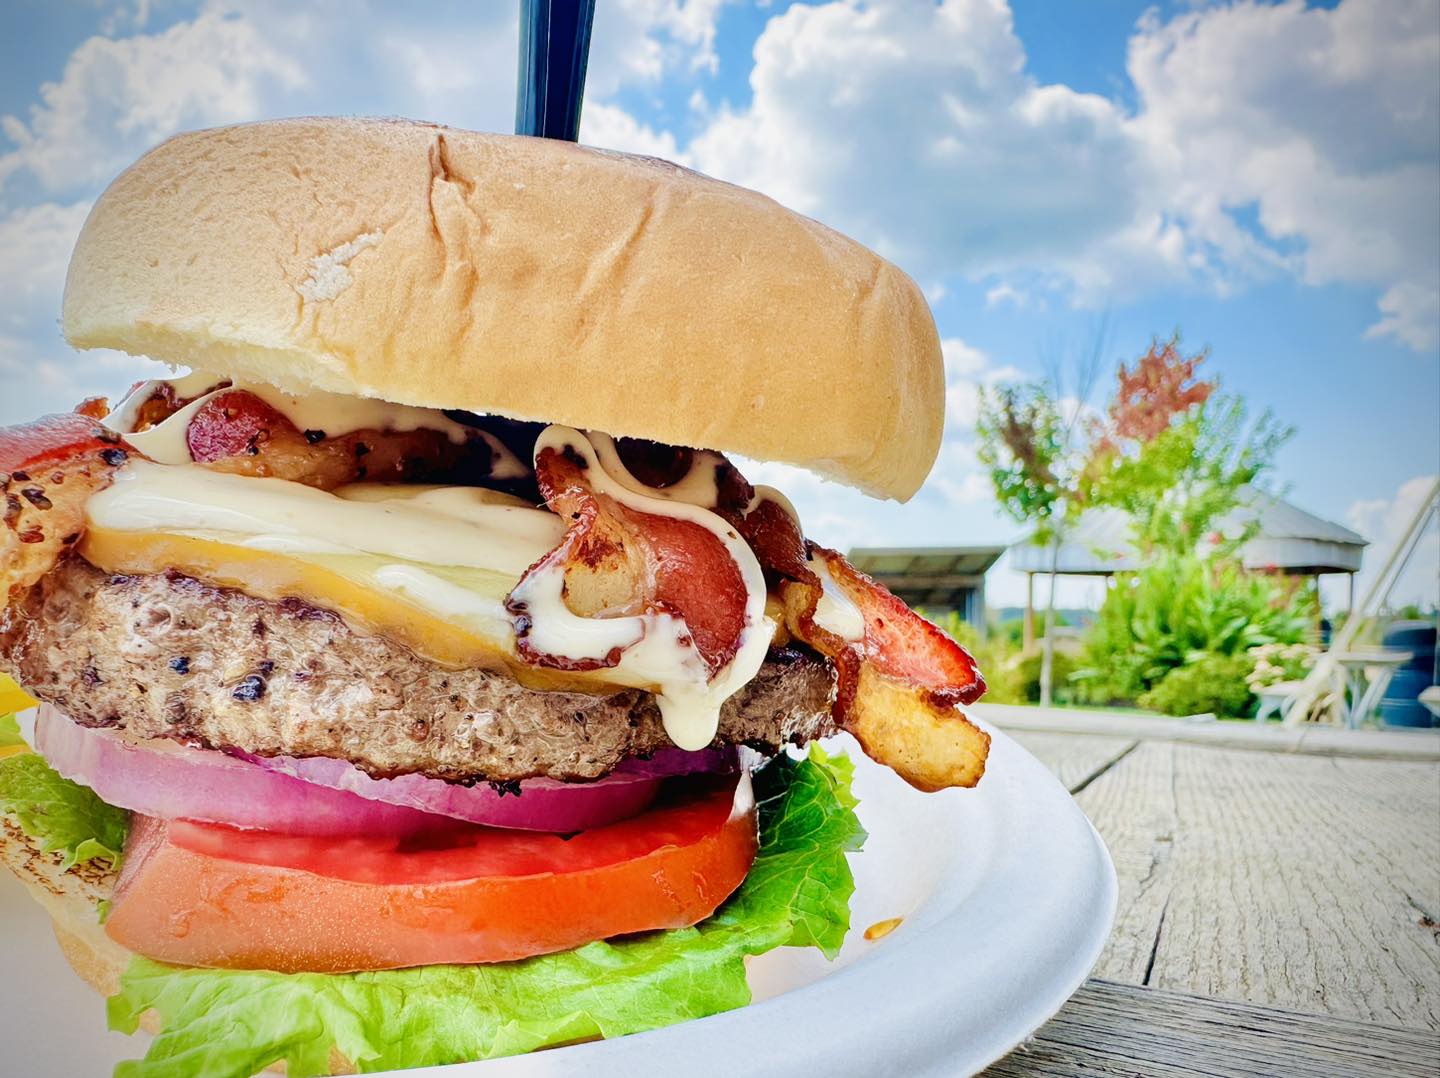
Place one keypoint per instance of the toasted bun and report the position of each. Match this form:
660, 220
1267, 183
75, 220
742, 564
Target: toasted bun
71, 898
525, 277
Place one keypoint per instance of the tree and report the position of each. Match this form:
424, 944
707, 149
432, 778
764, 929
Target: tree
1029, 444
1176, 455
1168, 450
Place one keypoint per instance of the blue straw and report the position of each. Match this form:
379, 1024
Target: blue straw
554, 50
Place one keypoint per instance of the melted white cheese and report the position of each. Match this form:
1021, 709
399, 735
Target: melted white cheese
447, 526
657, 650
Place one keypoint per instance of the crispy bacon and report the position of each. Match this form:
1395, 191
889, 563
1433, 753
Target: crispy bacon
899, 686
235, 431
620, 562
48, 470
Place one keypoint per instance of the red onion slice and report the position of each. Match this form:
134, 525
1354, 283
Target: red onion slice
321, 796
169, 780
534, 805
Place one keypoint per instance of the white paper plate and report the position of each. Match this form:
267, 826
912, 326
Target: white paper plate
1007, 895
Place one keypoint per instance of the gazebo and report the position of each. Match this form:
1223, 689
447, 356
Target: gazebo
936, 578
1287, 540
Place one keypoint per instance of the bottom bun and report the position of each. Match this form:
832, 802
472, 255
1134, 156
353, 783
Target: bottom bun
71, 898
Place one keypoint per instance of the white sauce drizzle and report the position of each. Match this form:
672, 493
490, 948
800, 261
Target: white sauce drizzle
334, 413
700, 485
657, 650
834, 611
465, 527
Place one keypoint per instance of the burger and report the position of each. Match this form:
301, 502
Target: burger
419, 678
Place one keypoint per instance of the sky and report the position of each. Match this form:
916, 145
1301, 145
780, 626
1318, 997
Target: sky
1263, 178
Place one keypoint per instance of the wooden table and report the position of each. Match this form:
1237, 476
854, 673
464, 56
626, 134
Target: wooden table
1279, 907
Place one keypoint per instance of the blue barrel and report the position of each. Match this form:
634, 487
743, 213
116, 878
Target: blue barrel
1401, 706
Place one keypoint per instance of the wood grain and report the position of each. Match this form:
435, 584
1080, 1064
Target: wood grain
1075, 759
1303, 882
1112, 1029
1307, 738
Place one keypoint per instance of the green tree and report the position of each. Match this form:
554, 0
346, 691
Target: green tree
1176, 455
1037, 466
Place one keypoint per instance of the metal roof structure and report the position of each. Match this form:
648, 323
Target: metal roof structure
1288, 540
938, 578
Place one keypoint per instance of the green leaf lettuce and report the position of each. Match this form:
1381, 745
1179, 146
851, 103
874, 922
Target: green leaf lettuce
59, 814
235, 1023
10, 732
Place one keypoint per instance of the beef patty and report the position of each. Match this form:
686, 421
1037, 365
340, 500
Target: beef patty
168, 656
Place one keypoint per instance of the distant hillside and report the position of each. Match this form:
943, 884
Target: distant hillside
1064, 615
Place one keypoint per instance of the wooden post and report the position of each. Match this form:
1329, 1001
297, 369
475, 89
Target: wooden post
1027, 640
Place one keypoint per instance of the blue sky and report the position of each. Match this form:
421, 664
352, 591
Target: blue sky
1264, 178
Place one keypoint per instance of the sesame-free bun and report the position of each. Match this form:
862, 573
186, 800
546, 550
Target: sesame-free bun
525, 277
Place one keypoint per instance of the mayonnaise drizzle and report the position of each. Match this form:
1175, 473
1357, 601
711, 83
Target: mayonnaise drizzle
699, 486
657, 651
834, 611
334, 413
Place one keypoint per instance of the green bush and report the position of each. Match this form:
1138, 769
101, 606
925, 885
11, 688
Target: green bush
1274, 663
1028, 670
1179, 610
1214, 684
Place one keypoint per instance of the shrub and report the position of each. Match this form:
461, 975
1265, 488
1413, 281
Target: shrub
1213, 683
1273, 663
1028, 671
1179, 610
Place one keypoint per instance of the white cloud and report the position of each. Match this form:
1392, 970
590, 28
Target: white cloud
648, 35
916, 128
1005, 293
119, 97
1323, 125
37, 243
612, 128
1410, 312
967, 369
1383, 521
1267, 140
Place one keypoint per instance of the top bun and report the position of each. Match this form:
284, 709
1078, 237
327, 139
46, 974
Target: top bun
524, 277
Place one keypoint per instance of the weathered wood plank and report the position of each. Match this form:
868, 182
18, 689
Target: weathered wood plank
1075, 759
1307, 738
1133, 807
1308, 883
1112, 1029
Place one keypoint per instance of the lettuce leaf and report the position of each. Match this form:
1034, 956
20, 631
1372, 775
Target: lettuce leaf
10, 732
235, 1023
60, 814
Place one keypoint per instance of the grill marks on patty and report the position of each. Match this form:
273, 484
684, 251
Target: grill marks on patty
168, 656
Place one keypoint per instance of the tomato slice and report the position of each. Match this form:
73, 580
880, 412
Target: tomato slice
208, 895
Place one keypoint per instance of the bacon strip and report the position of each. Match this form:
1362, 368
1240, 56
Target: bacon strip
900, 687
620, 562
235, 431
48, 470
